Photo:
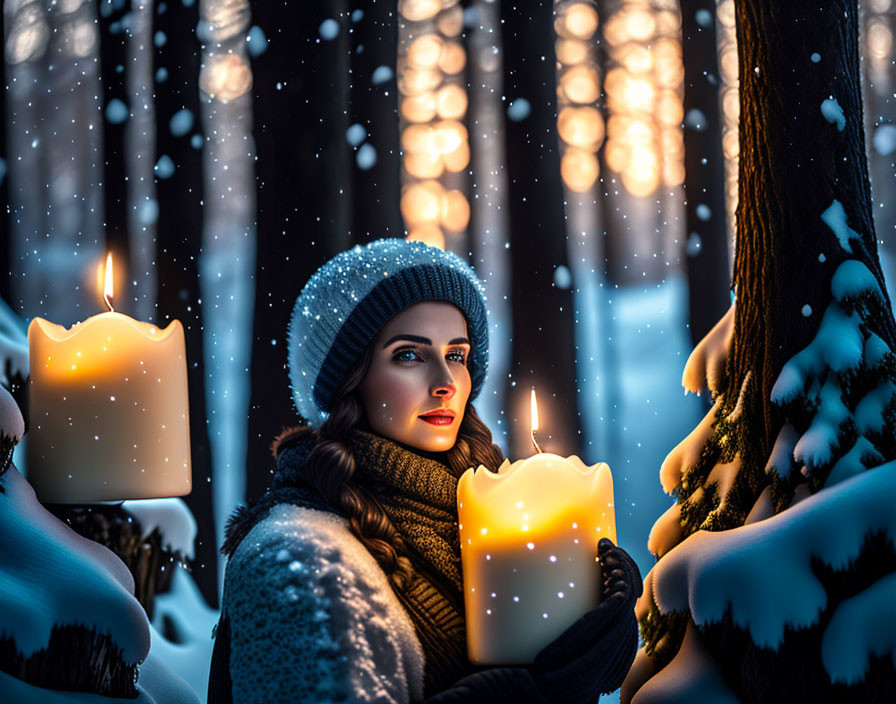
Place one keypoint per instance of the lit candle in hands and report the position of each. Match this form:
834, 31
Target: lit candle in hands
529, 539
108, 409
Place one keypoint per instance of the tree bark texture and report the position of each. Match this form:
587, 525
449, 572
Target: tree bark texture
794, 164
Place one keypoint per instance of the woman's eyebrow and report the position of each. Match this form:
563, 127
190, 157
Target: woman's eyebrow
423, 340
409, 338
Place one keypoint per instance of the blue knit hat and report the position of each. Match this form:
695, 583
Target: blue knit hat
347, 301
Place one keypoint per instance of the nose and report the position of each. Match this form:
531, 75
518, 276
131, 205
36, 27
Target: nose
444, 390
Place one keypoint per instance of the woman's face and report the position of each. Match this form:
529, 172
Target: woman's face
417, 386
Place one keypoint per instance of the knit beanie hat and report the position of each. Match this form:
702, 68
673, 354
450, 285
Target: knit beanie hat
347, 301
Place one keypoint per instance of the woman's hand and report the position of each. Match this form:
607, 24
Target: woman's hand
594, 654
589, 658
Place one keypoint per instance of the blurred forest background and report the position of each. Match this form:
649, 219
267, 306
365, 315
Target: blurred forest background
580, 154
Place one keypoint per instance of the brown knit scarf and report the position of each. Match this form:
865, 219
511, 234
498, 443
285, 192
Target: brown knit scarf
419, 495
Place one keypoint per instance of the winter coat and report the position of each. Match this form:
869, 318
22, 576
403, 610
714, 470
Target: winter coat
312, 617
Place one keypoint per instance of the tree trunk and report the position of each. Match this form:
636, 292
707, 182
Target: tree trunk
113, 40
373, 100
804, 209
706, 232
488, 208
178, 137
140, 154
227, 267
304, 207
794, 164
542, 312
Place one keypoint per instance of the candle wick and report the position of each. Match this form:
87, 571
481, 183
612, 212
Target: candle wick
108, 302
535, 442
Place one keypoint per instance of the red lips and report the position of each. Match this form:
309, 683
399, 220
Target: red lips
440, 416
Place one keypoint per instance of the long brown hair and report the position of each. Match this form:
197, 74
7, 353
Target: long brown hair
331, 466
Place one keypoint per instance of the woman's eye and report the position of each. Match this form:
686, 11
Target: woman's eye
405, 356
459, 356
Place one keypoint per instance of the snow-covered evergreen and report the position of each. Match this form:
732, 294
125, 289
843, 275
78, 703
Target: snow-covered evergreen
837, 398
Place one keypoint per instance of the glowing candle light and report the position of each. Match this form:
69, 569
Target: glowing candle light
108, 409
529, 537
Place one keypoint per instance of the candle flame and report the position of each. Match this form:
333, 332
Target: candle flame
534, 407
107, 286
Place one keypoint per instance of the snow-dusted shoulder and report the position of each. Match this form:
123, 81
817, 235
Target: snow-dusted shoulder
313, 618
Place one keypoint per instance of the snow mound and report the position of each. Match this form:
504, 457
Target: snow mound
691, 676
838, 345
50, 575
870, 410
162, 686
709, 573
852, 279
781, 459
876, 350
157, 685
723, 476
861, 456
687, 452
12, 425
706, 364
183, 614
762, 508
861, 626
816, 446
666, 532
171, 516
642, 669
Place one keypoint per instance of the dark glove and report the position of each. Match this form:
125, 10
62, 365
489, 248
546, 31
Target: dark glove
593, 655
493, 686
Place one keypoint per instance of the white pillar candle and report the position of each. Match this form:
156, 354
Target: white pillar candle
108, 410
529, 539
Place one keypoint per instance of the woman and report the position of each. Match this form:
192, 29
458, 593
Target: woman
344, 580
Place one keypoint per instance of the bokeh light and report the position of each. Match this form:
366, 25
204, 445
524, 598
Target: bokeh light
729, 95
580, 20
424, 52
580, 84
644, 92
579, 169
419, 10
451, 102
580, 125
571, 51
226, 77
433, 106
